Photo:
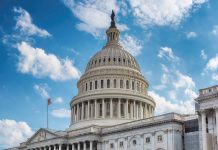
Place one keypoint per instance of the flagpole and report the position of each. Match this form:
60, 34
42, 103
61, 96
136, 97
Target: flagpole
47, 114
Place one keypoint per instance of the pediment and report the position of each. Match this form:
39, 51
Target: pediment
41, 135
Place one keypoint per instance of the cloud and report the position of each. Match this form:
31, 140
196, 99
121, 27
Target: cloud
183, 81
167, 53
37, 62
61, 113
162, 12
59, 100
94, 16
12, 133
165, 106
42, 89
212, 64
215, 30
191, 34
203, 55
25, 25
215, 77
131, 44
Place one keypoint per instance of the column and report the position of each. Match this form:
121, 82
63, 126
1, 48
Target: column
95, 108
134, 110
68, 146
84, 145
204, 132
216, 110
72, 146
141, 111
127, 109
131, 110
49, 147
103, 108
119, 113
88, 109
59, 147
78, 146
82, 111
91, 143
77, 114
91, 110
111, 108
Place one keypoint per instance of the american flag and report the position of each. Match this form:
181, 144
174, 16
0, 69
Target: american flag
49, 101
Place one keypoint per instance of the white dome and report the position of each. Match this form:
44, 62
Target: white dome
112, 55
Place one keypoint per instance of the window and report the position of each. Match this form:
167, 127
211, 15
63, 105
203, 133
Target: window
96, 84
133, 85
90, 86
107, 109
86, 87
134, 142
108, 83
159, 138
122, 109
127, 84
137, 86
121, 144
100, 110
102, 83
147, 140
115, 83
114, 59
121, 83
112, 145
115, 108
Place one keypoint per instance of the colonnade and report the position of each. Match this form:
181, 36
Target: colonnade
111, 108
204, 128
85, 145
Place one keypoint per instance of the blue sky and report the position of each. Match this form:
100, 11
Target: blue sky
45, 46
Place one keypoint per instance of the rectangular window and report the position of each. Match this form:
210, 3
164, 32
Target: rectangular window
102, 83
122, 109
96, 84
100, 110
133, 85
159, 138
90, 86
107, 109
121, 144
112, 145
147, 140
121, 83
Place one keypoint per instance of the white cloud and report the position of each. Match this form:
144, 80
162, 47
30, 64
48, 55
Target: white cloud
42, 89
162, 12
59, 100
215, 30
94, 14
183, 81
165, 106
12, 133
215, 77
131, 44
61, 113
25, 25
212, 63
35, 61
191, 34
167, 53
203, 55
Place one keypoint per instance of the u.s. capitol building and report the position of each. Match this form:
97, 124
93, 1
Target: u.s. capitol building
113, 111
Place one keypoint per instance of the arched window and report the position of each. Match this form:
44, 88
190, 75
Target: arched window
127, 84
96, 84
90, 87
86, 87
134, 142
121, 83
108, 83
133, 85
115, 83
109, 59
114, 59
102, 83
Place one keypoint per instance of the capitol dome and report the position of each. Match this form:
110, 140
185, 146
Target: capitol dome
112, 90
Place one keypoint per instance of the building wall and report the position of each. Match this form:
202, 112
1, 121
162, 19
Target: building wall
136, 139
191, 140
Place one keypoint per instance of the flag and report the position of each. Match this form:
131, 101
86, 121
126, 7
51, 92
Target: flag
49, 101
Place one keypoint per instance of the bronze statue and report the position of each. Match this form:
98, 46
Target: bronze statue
112, 20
